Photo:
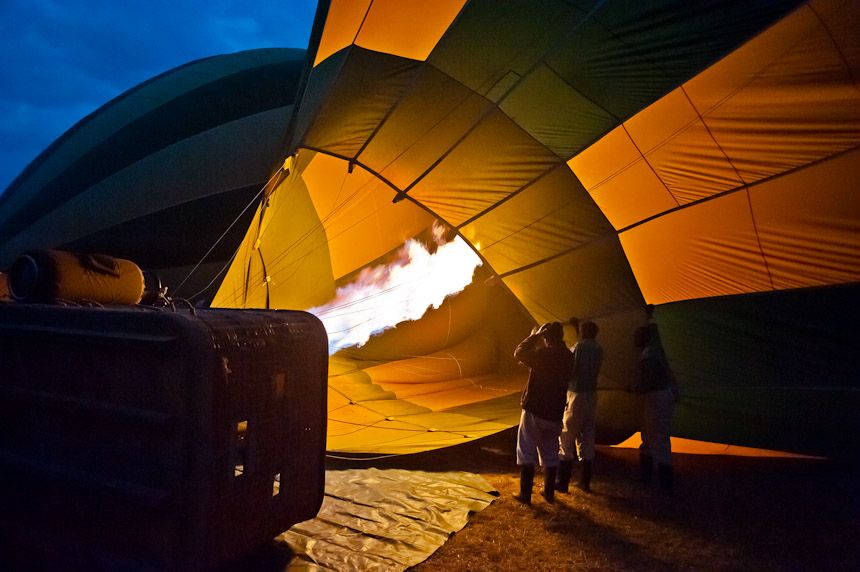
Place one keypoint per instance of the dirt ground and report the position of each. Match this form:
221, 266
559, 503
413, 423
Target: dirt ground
727, 513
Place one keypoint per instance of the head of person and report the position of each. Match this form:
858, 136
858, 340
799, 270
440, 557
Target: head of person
553, 333
588, 330
642, 336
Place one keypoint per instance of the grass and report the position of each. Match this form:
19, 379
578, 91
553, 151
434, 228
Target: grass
727, 513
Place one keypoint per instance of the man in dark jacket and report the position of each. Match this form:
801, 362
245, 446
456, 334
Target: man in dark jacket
543, 401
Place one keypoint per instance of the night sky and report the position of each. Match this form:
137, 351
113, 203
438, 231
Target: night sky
62, 59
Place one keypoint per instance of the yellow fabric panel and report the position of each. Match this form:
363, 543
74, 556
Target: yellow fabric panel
429, 119
550, 216
422, 432
474, 356
408, 29
446, 378
341, 27
619, 180
809, 223
479, 172
292, 245
441, 395
709, 250
356, 211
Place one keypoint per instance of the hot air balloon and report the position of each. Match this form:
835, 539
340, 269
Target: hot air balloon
596, 158
158, 174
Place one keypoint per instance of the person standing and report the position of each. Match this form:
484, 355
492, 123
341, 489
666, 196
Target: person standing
655, 383
580, 415
542, 402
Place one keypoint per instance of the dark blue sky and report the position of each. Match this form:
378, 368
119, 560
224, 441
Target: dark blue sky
62, 59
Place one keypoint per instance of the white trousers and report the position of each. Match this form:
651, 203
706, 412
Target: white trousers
537, 440
577, 437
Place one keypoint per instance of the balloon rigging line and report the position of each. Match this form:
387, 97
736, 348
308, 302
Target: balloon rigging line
223, 234
310, 232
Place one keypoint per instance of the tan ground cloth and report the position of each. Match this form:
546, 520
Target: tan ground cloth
375, 520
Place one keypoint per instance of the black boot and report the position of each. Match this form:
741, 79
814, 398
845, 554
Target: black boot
585, 476
549, 474
646, 463
527, 478
667, 478
565, 468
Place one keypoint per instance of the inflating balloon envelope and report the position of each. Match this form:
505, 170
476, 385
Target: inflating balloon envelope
595, 157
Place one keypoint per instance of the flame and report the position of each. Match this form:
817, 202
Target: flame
383, 296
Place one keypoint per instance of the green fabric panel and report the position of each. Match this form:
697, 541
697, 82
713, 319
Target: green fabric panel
630, 53
136, 102
163, 239
570, 59
555, 113
226, 99
368, 85
494, 160
491, 45
589, 281
777, 370
552, 215
320, 80
434, 113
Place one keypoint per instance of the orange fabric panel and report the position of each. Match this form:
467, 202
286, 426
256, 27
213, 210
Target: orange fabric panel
613, 153
786, 99
799, 109
680, 149
634, 194
692, 166
661, 121
341, 26
619, 180
841, 21
408, 29
734, 72
709, 250
809, 223
355, 209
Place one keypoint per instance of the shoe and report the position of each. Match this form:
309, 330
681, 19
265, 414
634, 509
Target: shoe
584, 483
527, 477
565, 468
549, 475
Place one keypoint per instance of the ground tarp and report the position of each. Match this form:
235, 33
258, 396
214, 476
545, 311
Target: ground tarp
389, 520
